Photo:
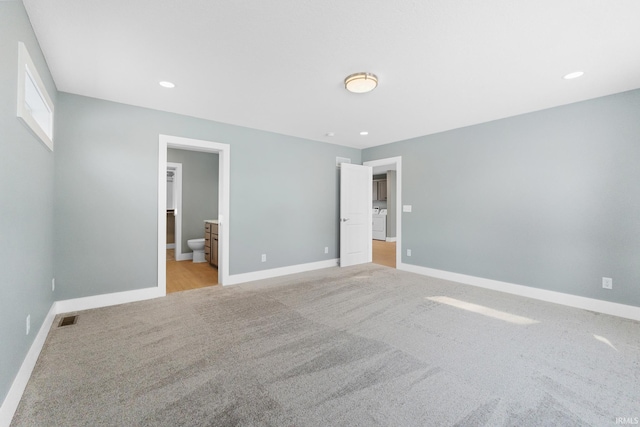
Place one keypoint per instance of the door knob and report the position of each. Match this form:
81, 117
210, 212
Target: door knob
345, 219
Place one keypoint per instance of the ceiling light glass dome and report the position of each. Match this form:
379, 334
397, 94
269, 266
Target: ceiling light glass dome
361, 82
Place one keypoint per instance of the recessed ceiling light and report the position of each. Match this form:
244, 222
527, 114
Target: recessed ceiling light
330, 134
361, 82
166, 84
364, 133
573, 75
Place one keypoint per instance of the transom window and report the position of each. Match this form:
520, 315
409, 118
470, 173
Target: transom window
35, 107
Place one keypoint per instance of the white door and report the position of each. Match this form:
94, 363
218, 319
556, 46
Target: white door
355, 214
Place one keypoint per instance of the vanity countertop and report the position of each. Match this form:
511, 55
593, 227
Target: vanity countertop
211, 221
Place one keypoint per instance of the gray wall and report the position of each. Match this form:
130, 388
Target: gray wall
199, 191
549, 199
26, 214
284, 198
379, 204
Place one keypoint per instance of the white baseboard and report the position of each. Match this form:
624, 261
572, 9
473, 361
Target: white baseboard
10, 404
11, 401
391, 239
282, 271
184, 257
600, 306
14, 395
171, 245
106, 300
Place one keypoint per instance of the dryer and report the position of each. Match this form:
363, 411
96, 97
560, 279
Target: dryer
379, 225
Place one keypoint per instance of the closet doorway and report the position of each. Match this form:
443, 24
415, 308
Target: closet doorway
387, 211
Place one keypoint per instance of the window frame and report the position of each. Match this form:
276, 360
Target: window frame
28, 70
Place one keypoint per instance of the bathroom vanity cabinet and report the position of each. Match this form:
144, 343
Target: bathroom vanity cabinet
211, 242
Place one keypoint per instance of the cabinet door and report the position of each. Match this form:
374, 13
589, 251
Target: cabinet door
375, 191
214, 250
382, 190
207, 242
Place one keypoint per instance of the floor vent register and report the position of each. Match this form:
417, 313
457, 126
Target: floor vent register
68, 320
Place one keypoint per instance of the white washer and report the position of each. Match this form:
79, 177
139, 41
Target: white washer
379, 231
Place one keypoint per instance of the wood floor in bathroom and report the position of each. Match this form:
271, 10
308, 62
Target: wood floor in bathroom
186, 275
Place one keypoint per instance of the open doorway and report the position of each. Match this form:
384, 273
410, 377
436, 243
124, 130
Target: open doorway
387, 208
192, 206
221, 211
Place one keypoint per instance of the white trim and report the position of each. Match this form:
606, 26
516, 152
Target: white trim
14, 395
224, 153
397, 161
162, 217
605, 307
11, 401
391, 239
185, 257
106, 300
281, 271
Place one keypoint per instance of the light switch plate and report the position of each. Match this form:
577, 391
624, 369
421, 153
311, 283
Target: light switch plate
406, 208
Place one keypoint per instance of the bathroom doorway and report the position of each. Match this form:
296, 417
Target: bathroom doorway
185, 144
189, 265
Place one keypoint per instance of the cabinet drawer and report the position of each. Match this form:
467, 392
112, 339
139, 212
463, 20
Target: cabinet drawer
207, 254
207, 227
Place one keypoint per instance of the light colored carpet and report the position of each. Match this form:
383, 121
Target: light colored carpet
359, 346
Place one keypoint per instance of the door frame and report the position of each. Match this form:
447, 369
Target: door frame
224, 174
397, 162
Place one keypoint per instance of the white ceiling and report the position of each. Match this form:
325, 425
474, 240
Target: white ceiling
279, 65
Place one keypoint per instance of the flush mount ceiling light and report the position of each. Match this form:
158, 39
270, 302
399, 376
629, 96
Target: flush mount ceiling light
166, 84
361, 82
573, 75
364, 133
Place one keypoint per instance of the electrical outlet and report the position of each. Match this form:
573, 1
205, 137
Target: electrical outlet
53, 285
408, 252
264, 257
607, 282
28, 323
326, 249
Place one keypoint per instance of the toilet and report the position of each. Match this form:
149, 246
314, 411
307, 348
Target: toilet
197, 246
